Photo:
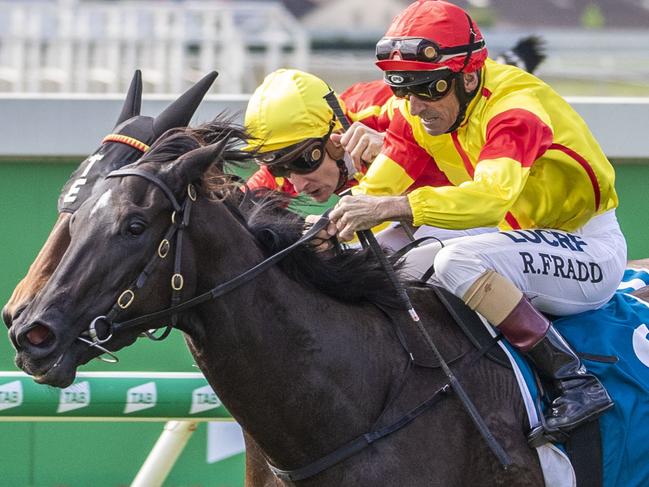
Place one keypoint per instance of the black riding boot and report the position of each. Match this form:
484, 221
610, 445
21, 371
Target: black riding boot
582, 396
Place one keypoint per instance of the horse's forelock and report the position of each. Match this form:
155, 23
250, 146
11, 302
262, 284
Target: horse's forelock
176, 142
170, 146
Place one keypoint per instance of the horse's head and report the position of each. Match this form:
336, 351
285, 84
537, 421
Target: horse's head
118, 264
130, 138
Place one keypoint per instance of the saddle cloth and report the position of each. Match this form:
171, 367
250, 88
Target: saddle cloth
613, 342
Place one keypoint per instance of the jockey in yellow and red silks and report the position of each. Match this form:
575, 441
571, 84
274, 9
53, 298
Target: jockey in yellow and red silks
293, 130
516, 156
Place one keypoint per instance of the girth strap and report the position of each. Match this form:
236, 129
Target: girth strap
358, 443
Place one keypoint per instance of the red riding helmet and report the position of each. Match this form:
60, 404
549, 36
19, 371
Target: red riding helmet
431, 35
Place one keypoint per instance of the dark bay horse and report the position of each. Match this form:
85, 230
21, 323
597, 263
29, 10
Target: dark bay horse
300, 355
130, 138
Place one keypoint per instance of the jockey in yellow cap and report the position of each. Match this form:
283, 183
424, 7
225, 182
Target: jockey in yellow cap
292, 127
516, 155
295, 137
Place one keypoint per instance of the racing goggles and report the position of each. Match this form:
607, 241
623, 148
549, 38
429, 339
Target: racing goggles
427, 85
419, 49
301, 158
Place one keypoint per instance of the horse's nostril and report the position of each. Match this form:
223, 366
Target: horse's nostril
38, 335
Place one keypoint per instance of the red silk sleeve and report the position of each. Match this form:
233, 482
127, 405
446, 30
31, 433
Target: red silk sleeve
517, 134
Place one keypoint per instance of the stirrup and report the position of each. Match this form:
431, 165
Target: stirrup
540, 436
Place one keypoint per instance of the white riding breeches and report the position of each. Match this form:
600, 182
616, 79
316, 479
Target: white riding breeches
562, 273
394, 236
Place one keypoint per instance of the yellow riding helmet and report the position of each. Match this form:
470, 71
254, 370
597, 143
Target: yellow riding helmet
287, 108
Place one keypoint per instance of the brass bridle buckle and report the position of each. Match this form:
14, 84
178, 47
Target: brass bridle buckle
177, 282
163, 248
191, 192
125, 299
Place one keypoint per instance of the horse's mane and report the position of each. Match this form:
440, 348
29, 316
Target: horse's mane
178, 141
353, 275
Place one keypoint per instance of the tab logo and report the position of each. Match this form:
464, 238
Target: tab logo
76, 396
11, 395
141, 397
204, 399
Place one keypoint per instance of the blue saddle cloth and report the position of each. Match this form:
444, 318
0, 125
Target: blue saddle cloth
614, 344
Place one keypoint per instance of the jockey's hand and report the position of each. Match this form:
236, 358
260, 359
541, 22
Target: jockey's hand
322, 241
362, 212
362, 143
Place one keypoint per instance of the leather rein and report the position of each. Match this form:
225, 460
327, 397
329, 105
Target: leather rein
179, 221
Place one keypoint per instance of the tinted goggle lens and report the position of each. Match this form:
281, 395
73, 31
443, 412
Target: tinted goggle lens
433, 91
302, 162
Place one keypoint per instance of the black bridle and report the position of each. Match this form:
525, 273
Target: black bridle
179, 221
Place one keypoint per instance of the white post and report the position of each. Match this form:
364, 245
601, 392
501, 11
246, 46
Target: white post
164, 454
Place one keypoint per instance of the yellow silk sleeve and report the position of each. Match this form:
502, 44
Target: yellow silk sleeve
482, 202
384, 178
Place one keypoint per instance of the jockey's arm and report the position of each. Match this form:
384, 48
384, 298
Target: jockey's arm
362, 143
500, 175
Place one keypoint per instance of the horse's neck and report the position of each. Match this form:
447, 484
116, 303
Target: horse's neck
276, 351
304, 373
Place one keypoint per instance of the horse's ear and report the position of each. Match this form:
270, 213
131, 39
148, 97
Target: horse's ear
193, 164
181, 111
133, 102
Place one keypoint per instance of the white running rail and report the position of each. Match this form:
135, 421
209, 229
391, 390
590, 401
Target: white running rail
73, 46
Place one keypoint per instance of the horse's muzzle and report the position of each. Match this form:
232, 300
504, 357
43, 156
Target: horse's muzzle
6, 317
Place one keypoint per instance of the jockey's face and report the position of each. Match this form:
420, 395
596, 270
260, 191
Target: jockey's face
319, 184
438, 116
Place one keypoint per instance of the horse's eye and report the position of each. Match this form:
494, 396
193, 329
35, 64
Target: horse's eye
135, 228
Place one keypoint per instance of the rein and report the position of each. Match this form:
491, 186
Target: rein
370, 239
127, 297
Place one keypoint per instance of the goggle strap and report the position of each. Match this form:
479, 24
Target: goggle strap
299, 150
465, 48
467, 58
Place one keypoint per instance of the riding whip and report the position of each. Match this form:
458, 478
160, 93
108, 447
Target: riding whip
367, 235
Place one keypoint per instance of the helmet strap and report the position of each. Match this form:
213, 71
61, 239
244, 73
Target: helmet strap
338, 155
343, 174
463, 98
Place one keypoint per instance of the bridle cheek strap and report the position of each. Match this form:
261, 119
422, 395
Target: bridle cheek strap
179, 220
230, 285
177, 281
